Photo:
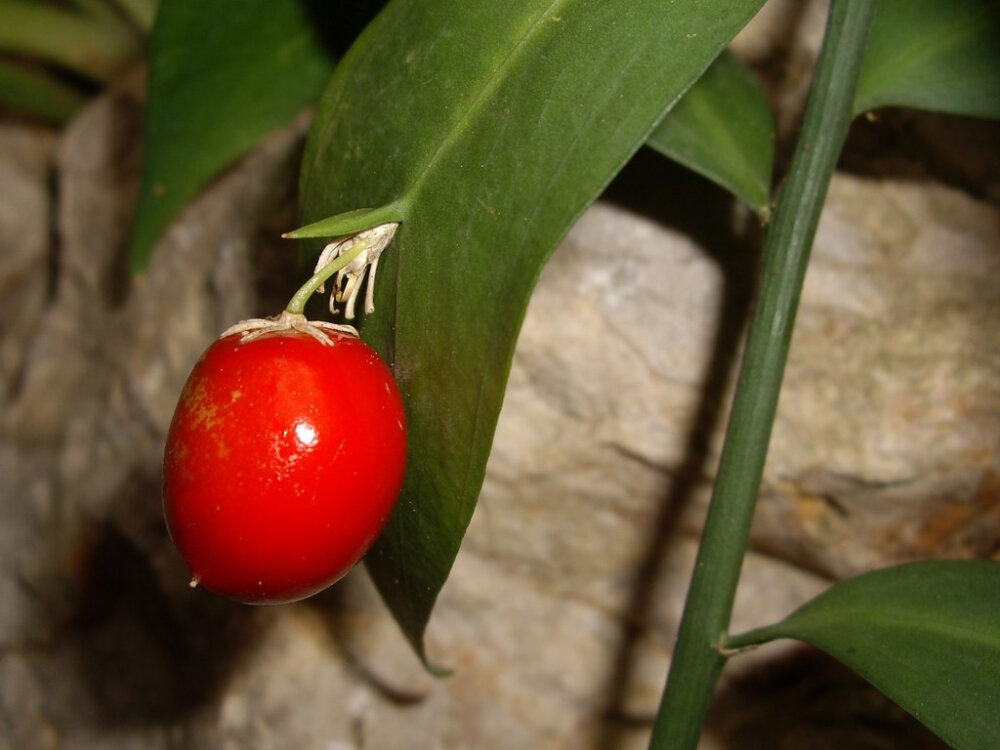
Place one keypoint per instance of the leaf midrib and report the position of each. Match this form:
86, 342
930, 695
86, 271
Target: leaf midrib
490, 85
914, 622
475, 105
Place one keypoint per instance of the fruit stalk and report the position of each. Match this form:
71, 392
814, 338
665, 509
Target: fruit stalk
297, 305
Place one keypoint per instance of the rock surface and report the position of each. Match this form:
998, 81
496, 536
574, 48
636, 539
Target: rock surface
563, 605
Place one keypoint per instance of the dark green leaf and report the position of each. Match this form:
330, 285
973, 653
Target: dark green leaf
723, 129
222, 75
941, 55
491, 126
926, 634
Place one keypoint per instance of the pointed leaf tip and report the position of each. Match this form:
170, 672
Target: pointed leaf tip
349, 222
723, 129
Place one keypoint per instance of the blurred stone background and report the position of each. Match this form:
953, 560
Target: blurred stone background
563, 605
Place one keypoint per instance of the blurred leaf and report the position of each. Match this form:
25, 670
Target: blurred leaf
491, 127
142, 12
926, 634
103, 11
724, 130
941, 55
36, 93
74, 41
221, 76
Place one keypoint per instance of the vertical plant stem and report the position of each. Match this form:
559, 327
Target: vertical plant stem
697, 659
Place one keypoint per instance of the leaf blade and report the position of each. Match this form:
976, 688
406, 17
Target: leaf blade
926, 634
220, 78
933, 55
723, 129
493, 158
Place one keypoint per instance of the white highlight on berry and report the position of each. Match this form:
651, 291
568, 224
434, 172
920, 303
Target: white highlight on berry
305, 433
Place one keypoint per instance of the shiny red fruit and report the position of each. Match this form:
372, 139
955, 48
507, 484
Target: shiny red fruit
283, 462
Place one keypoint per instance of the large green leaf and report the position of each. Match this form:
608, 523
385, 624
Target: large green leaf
941, 55
489, 127
926, 634
223, 74
724, 130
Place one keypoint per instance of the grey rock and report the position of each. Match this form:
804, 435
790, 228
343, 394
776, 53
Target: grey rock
25, 226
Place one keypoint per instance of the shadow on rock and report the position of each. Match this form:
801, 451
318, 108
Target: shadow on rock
669, 194
369, 641
143, 655
807, 699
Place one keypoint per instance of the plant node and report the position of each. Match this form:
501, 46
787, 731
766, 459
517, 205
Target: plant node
256, 327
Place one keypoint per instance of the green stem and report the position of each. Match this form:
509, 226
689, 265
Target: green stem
77, 42
750, 639
698, 659
297, 304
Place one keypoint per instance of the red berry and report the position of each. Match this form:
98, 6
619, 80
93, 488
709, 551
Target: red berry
283, 462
